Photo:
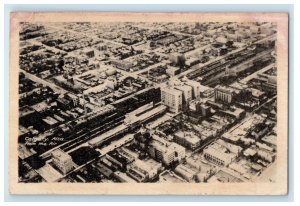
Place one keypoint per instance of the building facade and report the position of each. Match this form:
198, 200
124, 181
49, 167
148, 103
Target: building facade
62, 161
166, 152
223, 94
218, 154
172, 98
187, 139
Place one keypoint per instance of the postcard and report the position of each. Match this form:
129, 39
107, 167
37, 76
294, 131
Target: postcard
148, 103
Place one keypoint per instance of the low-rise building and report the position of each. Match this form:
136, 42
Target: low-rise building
187, 139
122, 64
185, 172
62, 161
151, 166
170, 177
266, 155
122, 177
231, 147
137, 173
165, 151
172, 71
218, 154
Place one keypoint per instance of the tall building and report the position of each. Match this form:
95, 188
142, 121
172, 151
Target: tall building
62, 161
223, 94
177, 59
186, 91
172, 98
195, 85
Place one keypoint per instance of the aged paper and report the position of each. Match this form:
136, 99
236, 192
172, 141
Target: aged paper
148, 103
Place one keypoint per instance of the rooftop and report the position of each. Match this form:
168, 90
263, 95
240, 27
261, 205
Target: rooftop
58, 153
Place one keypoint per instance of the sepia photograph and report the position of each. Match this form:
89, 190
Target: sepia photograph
148, 103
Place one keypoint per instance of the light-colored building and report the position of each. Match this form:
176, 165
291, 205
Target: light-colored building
231, 147
130, 155
195, 85
172, 71
170, 177
150, 165
62, 161
223, 94
266, 155
165, 151
137, 173
172, 98
186, 91
218, 154
122, 64
122, 177
186, 173
187, 139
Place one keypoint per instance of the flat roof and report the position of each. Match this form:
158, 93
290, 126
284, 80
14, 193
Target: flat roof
105, 135
24, 152
189, 136
40, 106
171, 90
271, 139
168, 176
60, 154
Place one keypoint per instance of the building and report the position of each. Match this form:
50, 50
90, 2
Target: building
122, 64
90, 53
106, 171
137, 173
204, 109
143, 138
231, 147
270, 140
177, 59
73, 98
186, 91
138, 117
122, 177
165, 151
198, 109
118, 160
62, 161
195, 86
186, 173
170, 177
102, 47
172, 98
128, 154
151, 166
266, 155
172, 71
187, 139
224, 94
218, 154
